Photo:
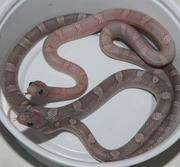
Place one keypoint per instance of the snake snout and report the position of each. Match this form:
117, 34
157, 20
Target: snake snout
32, 119
37, 88
22, 118
33, 89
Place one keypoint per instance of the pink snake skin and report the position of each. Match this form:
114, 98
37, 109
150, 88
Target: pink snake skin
160, 78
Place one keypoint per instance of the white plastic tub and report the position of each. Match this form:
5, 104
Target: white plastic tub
124, 118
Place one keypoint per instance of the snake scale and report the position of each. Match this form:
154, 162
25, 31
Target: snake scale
160, 78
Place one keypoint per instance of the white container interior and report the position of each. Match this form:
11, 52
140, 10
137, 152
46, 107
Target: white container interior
125, 113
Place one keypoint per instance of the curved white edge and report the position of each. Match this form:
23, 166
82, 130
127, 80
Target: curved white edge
172, 8
6, 9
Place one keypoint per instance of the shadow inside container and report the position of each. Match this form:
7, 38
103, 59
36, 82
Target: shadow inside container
38, 100
38, 137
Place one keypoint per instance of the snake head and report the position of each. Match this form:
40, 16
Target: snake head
37, 88
34, 120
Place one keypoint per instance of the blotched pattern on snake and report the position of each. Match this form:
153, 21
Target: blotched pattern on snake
161, 78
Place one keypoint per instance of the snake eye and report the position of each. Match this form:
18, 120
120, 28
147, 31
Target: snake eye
30, 124
41, 92
30, 83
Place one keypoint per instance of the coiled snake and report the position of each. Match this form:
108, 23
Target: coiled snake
160, 78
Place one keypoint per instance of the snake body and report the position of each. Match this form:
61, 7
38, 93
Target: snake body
119, 81
163, 82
